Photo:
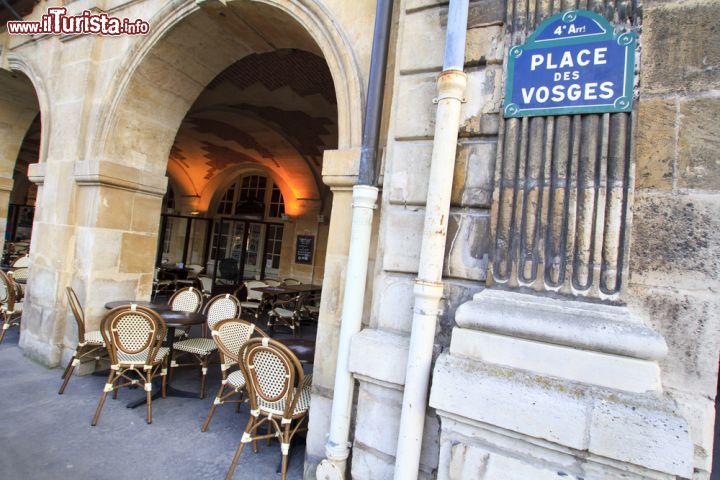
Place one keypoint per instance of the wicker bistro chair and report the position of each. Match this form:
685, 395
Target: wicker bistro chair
188, 299
230, 335
193, 272
23, 261
256, 301
10, 308
90, 343
279, 395
134, 337
206, 284
20, 276
161, 286
287, 312
291, 281
220, 307
310, 307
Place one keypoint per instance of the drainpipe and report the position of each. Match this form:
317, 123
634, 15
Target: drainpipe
428, 287
365, 196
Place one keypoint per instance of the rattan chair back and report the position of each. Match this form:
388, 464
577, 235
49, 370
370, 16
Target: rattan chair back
291, 281
272, 282
23, 261
78, 313
194, 270
273, 374
133, 332
252, 294
20, 274
222, 307
230, 335
8, 292
187, 299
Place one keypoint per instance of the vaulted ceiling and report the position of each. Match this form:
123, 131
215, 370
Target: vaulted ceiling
272, 111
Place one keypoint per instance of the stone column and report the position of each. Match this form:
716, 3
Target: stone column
116, 237
379, 353
95, 229
52, 253
340, 169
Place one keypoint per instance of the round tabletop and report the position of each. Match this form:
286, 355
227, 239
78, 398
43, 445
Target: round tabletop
158, 307
182, 319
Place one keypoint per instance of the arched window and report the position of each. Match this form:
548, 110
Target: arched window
252, 196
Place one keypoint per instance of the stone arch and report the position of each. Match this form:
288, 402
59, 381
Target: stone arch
107, 141
22, 100
19, 63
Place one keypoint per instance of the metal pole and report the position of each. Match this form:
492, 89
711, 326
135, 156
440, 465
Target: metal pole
337, 448
428, 288
376, 84
365, 196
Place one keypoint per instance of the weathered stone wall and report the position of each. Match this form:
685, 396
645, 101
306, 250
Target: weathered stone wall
675, 251
421, 40
505, 351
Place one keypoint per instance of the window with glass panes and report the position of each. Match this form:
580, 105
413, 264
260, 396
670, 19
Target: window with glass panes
252, 195
228, 200
220, 240
249, 195
252, 191
274, 246
277, 203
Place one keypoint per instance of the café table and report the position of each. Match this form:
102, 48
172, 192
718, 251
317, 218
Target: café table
304, 288
288, 289
173, 319
177, 273
156, 306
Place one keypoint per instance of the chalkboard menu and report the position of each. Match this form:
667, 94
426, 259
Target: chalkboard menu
304, 249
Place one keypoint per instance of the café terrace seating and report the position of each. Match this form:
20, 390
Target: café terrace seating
10, 298
200, 349
230, 335
279, 394
134, 337
91, 345
254, 368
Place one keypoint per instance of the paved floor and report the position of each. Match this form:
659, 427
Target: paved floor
44, 435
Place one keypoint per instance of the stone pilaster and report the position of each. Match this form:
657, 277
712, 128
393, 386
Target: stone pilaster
116, 235
340, 169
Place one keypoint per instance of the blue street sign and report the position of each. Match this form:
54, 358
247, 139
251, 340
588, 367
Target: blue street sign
573, 63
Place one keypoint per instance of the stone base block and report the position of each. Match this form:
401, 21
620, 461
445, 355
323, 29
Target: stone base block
597, 432
479, 452
612, 371
39, 350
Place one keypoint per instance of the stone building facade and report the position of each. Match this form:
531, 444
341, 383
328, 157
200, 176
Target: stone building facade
580, 326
